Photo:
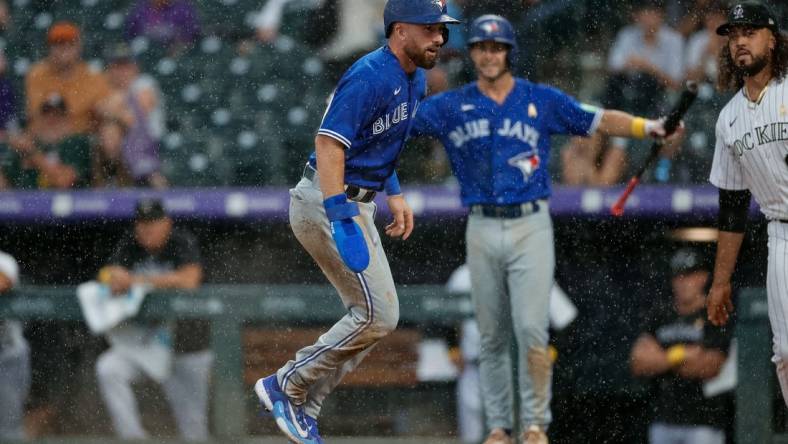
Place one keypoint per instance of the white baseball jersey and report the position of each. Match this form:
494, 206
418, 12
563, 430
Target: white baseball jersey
752, 144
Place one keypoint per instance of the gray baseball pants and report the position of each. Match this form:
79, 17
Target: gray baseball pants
14, 388
186, 389
511, 263
369, 297
659, 433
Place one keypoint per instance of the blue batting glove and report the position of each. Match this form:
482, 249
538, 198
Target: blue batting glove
347, 234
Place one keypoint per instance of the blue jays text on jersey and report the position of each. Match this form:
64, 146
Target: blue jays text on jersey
499, 152
371, 114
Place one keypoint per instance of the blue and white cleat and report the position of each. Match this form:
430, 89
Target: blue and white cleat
290, 418
312, 424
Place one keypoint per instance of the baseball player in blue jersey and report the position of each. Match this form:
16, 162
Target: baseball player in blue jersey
496, 132
365, 126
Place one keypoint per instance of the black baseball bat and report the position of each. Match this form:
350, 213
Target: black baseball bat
671, 123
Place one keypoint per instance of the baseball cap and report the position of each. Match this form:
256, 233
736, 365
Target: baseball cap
54, 103
149, 209
751, 13
686, 260
62, 32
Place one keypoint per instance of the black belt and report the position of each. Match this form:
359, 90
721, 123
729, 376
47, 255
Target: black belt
506, 211
353, 192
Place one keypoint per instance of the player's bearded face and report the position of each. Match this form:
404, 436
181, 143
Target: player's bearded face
423, 43
751, 49
490, 59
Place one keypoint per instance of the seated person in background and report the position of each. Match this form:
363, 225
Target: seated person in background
172, 24
7, 98
14, 361
680, 350
645, 58
268, 21
50, 154
704, 46
163, 257
64, 72
134, 103
109, 166
598, 160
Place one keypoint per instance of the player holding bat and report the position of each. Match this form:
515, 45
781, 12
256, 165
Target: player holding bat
496, 132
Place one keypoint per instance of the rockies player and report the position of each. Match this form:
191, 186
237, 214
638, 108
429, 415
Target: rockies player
496, 132
750, 160
363, 131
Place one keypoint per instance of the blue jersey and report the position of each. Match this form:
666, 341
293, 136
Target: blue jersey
499, 153
371, 114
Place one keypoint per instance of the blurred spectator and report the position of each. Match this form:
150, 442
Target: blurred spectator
644, 60
64, 72
686, 16
50, 154
14, 360
7, 97
268, 21
6, 23
161, 257
680, 351
597, 160
704, 46
134, 110
359, 29
173, 24
109, 167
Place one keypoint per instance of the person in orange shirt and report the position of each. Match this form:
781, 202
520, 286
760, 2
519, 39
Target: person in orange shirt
64, 72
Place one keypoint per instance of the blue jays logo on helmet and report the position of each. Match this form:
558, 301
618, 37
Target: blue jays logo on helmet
494, 28
422, 12
490, 27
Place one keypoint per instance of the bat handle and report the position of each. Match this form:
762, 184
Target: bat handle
618, 208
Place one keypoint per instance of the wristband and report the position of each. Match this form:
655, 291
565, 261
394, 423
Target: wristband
338, 208
676, 355
104, 275
392, 185
638, 127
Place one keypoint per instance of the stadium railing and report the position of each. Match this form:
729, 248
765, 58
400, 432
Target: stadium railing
230, 308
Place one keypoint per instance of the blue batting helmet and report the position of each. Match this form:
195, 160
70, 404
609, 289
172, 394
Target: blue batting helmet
491, 27
422, 12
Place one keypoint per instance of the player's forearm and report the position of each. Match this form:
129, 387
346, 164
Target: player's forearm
648, 358
621, 124
187, 277
728, 246
330, 155
706, 366
649, 365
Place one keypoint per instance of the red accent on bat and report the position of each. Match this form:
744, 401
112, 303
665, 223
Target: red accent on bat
618, 208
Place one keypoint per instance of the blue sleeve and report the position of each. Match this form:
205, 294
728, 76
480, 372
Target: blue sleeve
568, 116
349, 109
427, 121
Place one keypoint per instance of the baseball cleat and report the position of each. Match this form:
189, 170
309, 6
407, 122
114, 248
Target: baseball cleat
312, 424
534, 435
498, 436
290, 418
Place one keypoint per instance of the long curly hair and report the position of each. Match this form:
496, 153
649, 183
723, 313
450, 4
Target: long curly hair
731, 79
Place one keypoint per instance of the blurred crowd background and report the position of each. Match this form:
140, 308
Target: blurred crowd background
166, 93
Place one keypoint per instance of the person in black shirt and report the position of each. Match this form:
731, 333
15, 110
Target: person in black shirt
158, 256
680, 350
